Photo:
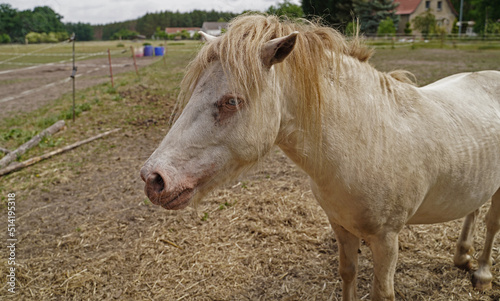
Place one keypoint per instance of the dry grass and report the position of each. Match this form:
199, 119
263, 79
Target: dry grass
87, 232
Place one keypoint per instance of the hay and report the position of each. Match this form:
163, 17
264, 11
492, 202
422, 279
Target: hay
264, 238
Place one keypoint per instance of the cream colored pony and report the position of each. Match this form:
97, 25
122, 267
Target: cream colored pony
380, 152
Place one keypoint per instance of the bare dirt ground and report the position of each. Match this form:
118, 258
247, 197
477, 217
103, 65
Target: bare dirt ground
86, 231
27, 89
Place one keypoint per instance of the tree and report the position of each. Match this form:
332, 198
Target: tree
8, 20
286, 8
408, 29
83, 31
4, 38
482, 12
386, 28
493, 28
124, 34
17, 24
44, 19
425, 23
333, 12
372, 12
148, 23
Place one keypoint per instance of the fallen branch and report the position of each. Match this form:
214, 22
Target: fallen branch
4, 150
11, 156
21, 165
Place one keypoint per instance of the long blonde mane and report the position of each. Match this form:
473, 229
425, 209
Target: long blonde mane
239, 50
317, 55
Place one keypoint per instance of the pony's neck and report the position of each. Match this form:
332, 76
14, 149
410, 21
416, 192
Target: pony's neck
358, 102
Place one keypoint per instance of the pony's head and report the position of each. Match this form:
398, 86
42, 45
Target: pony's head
235, 89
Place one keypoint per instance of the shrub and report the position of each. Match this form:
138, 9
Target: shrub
4, 38
51, 37
408, 29
386, 27
33, 37
124, 34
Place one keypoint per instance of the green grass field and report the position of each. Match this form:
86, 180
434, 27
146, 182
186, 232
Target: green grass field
105, 103
19, 56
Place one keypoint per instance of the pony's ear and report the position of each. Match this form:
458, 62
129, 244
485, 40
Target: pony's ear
207, 37
276, 50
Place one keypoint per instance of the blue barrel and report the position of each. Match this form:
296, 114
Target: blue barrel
148, 50
159, 51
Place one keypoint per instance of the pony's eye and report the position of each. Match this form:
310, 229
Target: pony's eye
233, 101
230, 102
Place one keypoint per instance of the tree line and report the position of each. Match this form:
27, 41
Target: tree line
148, 24
42, 24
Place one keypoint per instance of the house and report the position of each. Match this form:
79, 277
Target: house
213, 28
190, 30
443, 10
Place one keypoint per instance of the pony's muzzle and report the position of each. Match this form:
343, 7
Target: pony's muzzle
161, 190
156, 184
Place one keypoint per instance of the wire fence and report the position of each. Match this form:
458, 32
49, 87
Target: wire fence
491, 42
62, 54
463, 37
51, 57
18, 59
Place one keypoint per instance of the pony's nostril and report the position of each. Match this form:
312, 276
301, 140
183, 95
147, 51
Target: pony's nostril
156, 182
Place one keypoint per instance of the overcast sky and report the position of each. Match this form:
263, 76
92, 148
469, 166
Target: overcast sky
107, 11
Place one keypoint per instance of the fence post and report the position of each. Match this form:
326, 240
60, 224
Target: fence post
110, 68
73, 74
165, 55
135, 63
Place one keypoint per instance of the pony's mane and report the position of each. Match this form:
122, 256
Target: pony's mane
239, 50
309, 73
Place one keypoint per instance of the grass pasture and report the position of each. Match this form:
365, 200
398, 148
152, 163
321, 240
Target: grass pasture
86, 231
18, 56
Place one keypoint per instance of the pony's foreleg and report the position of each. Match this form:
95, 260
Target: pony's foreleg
348, 257
481, 279
384, 247
464, 245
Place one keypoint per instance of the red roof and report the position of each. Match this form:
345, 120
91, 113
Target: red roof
407, 7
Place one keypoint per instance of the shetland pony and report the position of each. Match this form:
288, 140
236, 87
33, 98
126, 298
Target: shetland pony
380, 152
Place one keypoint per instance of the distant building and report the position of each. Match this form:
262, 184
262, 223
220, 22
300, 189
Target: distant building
213, 28
190, 30
443, 10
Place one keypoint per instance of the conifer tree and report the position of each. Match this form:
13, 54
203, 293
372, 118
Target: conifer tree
372, 12
334, 12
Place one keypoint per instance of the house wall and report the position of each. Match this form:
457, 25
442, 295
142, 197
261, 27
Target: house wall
444, 17
403, 19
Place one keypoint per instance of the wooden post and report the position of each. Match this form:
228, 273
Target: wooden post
33, 142
73, 74
110, 68
135, 63
21, 165
165, 55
